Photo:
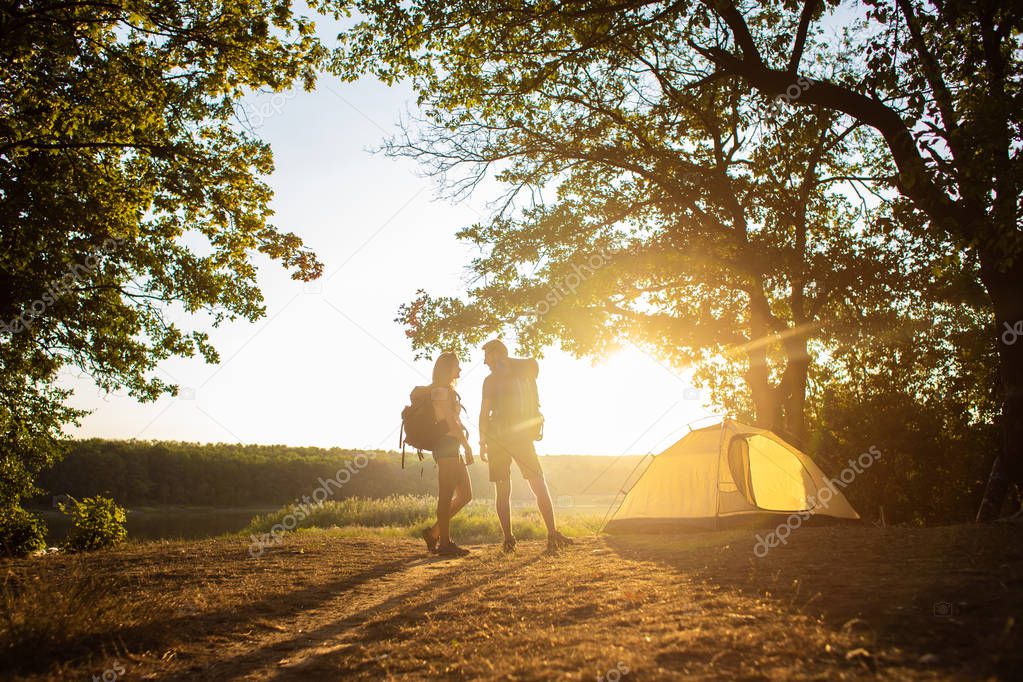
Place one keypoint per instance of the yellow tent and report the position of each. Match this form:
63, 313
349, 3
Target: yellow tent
728, 471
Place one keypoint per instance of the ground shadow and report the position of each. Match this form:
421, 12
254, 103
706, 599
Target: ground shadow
437, 591
950, 597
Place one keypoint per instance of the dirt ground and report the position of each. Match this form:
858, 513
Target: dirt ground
832, 604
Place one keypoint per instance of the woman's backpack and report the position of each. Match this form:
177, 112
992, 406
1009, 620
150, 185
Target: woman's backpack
419, 426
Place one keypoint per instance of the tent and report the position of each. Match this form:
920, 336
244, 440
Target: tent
728, 474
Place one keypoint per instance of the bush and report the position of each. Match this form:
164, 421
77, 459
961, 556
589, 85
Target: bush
96, 523
21, 533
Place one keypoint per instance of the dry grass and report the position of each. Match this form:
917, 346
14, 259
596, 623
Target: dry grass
836, 603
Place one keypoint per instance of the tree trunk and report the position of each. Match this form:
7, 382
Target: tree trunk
766, 406
793, 390
1006, 292
779, 408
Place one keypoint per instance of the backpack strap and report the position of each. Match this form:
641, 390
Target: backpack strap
401, 442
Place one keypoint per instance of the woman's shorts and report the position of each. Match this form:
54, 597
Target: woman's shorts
447, 447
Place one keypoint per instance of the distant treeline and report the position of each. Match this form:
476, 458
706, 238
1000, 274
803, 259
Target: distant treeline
930, 471
150, 473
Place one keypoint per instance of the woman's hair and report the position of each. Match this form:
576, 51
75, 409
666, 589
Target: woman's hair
442, 369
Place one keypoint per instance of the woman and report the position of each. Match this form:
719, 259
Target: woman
454, 489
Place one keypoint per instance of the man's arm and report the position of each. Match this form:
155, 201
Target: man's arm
484, 422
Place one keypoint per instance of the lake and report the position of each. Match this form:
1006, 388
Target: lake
164, 523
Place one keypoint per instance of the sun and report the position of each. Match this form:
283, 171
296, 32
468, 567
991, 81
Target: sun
629, 402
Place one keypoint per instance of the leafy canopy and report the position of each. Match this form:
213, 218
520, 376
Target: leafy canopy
724, 226
129, 185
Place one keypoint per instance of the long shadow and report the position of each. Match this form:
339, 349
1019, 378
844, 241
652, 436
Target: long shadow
947, 597
250, 662
280, 606
225, 622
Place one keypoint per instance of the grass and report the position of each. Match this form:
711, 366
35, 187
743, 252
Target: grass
408, 515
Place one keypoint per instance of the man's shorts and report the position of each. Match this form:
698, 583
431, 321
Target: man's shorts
501, 452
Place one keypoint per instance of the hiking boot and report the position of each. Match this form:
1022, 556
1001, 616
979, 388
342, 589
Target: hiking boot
508, 546
431, 540
451, 549
557, 541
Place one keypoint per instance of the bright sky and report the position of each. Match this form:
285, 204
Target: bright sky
328, 366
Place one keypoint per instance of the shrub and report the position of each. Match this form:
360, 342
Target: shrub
21, 533
96, 523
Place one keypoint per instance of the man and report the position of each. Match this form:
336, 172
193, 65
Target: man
509, 423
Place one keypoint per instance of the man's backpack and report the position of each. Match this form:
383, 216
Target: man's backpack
518, 401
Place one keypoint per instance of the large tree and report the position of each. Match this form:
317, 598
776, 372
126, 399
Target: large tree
938, 85
941, 86
127, 185
707, 228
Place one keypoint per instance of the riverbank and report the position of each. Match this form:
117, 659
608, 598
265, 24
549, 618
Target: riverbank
165, 522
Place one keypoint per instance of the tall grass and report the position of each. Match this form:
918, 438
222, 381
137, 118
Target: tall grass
408, 515
64, 610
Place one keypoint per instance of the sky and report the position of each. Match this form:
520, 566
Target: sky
328, 366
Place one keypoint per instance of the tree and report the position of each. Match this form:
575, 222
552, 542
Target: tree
127, 186
938, 86
941, 87
705, 228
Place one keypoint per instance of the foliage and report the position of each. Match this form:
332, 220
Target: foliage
696, 219
21, 533
927, 410
96, 523
130, 193
141, 473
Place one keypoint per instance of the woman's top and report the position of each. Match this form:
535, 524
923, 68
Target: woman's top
446, 401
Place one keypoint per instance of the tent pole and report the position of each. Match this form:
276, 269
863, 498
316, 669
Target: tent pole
717, 476
608, 515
